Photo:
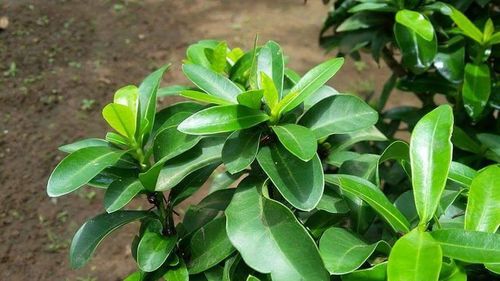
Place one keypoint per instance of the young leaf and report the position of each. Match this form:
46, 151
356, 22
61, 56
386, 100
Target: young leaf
430, 156
376, 273
415, 257
120, 118
177, 273
93, 231
240, 149
343, 252
483, 206
129, 97
372, 195
476, 88
270, 62
467, 27
209, 246
310, 83
271, 96
268, 237
251, 99
153, 250
90, 142
461, 174
416, 22
120, 193
300, 183
469, 246
202, 97
212, 83
220, 119
80, 167
298, 140
339, 114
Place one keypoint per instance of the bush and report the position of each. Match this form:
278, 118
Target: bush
307, 206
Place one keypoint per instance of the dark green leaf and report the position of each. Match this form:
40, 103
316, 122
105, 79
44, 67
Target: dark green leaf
240, 149
212, 83
376, 273
418, 53
120, 193
153, 250
298, 140
476, 88
449, 61
177, 273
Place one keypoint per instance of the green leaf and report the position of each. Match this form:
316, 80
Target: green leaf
339, 114
332, 203
416, 22
372, 195
177, 273
147, 101
271, 95
430, 156
93, 231
120, 118
415, 257
298, 140
376, 273
240, 150
343, 252
344, 141
269, 237
467, 27
461, 174
476, 88
270, 62
321, 94
495, 38
452, 272
205, 153
218, 60
212, 83
202, 97
310, 83
418, 53
469, 246
173, 90
129, 97
153, 250
483, 206
300, 183
251, 99
90, 142
80, 167
450, 61
361, 21
191, 184
209, 246
196, 52
120, 193
220, 119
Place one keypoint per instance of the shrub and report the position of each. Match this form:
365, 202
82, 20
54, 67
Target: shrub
307, 206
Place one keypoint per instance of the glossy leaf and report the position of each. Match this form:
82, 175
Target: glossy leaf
343, 252
300, 183
153, 250
90, 142
483, 206
120, 193
177, 273
271, 95
270, 62
80, 167
476, 88
120, 118
415, 257
240, 149
467, 27
251, 99
450, 61
339, 114
220, 119
93, 231
416, 22
461, 174
321, 94
372, 195
376, 273
469, 246
430, 155
298, 140
418, 53
203, 97
269, 237
209, 246
212, 83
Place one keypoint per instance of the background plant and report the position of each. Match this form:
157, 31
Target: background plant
279, 137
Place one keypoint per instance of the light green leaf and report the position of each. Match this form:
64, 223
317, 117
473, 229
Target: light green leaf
483, 206
269, 237
251, 99
376, 273
240, 150
120, 193
93, 231
120, 118
430, 155
416, 22
469, 246
173, 90
270, 62
212, 83
343, 252
339, 114
476, 88
209, 246
153, 250
461, 174
128, 96
80, 167
372, 195
90, 142
203, 97
300, 183
177, 273
415, 257
467, 27
220, 119
271, 96
298, 140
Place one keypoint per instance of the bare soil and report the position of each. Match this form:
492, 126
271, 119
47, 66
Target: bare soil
60, 63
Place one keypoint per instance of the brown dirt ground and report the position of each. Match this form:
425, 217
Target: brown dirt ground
69, 52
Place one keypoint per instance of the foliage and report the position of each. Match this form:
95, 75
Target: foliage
308, 204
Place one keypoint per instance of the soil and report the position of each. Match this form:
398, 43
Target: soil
60, 63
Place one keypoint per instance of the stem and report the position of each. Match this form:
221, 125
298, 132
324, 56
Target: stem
436, 220
392, 63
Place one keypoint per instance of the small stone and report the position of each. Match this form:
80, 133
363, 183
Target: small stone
4, 22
